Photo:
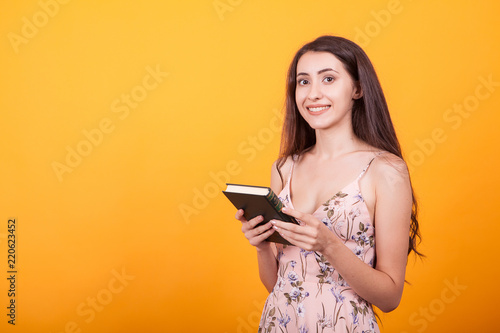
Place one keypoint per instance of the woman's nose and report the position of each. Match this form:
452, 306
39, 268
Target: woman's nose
315, 92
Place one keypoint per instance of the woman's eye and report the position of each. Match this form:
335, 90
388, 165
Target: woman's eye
328, 79
302, 82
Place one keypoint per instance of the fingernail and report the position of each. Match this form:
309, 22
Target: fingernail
275, 227
284, 209
273, 221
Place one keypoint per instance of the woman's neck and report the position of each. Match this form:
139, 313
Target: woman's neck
334, 142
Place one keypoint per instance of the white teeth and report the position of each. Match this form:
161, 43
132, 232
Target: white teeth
321, 108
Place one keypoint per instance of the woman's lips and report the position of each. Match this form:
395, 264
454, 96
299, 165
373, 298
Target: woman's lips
317, 109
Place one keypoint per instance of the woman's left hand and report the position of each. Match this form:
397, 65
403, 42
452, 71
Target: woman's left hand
311, 235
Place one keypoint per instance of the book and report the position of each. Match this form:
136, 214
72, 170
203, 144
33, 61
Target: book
259, 200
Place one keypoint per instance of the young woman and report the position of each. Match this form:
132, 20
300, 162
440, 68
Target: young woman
342, 175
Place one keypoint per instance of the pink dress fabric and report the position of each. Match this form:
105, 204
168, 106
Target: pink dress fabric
309, 295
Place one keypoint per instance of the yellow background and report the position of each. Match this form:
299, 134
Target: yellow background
213, 118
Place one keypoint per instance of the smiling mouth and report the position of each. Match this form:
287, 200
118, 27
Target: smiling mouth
318, 109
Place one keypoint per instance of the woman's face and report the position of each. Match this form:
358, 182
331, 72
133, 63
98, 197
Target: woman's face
325, 92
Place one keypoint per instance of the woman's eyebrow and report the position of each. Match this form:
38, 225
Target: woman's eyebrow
319, 72
327, 70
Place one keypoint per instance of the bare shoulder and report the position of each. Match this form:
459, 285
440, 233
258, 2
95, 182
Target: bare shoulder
386, 161
279, 174
390, 171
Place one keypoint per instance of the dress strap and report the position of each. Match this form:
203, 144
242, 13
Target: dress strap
368, 165
294, 158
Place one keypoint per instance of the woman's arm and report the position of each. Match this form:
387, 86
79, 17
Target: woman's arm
266, 253
268, 266
382, 285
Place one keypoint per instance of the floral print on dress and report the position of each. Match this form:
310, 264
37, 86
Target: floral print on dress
310, 295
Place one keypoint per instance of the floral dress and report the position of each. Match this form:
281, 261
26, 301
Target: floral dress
310, 295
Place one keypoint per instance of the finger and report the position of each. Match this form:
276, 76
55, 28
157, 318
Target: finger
253, 232
256, 241
256, 236
262, 237
286, 235
239, 215
251, 225
298, 239
256, 220
281, 225
298, 233
298, 215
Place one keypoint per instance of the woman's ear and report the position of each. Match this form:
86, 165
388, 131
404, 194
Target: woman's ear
358, 92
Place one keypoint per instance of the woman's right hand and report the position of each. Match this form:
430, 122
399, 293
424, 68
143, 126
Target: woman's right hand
256, 235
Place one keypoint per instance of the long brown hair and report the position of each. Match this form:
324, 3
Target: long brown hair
371, 121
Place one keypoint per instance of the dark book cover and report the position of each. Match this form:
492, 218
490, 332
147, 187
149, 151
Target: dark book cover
268, 205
